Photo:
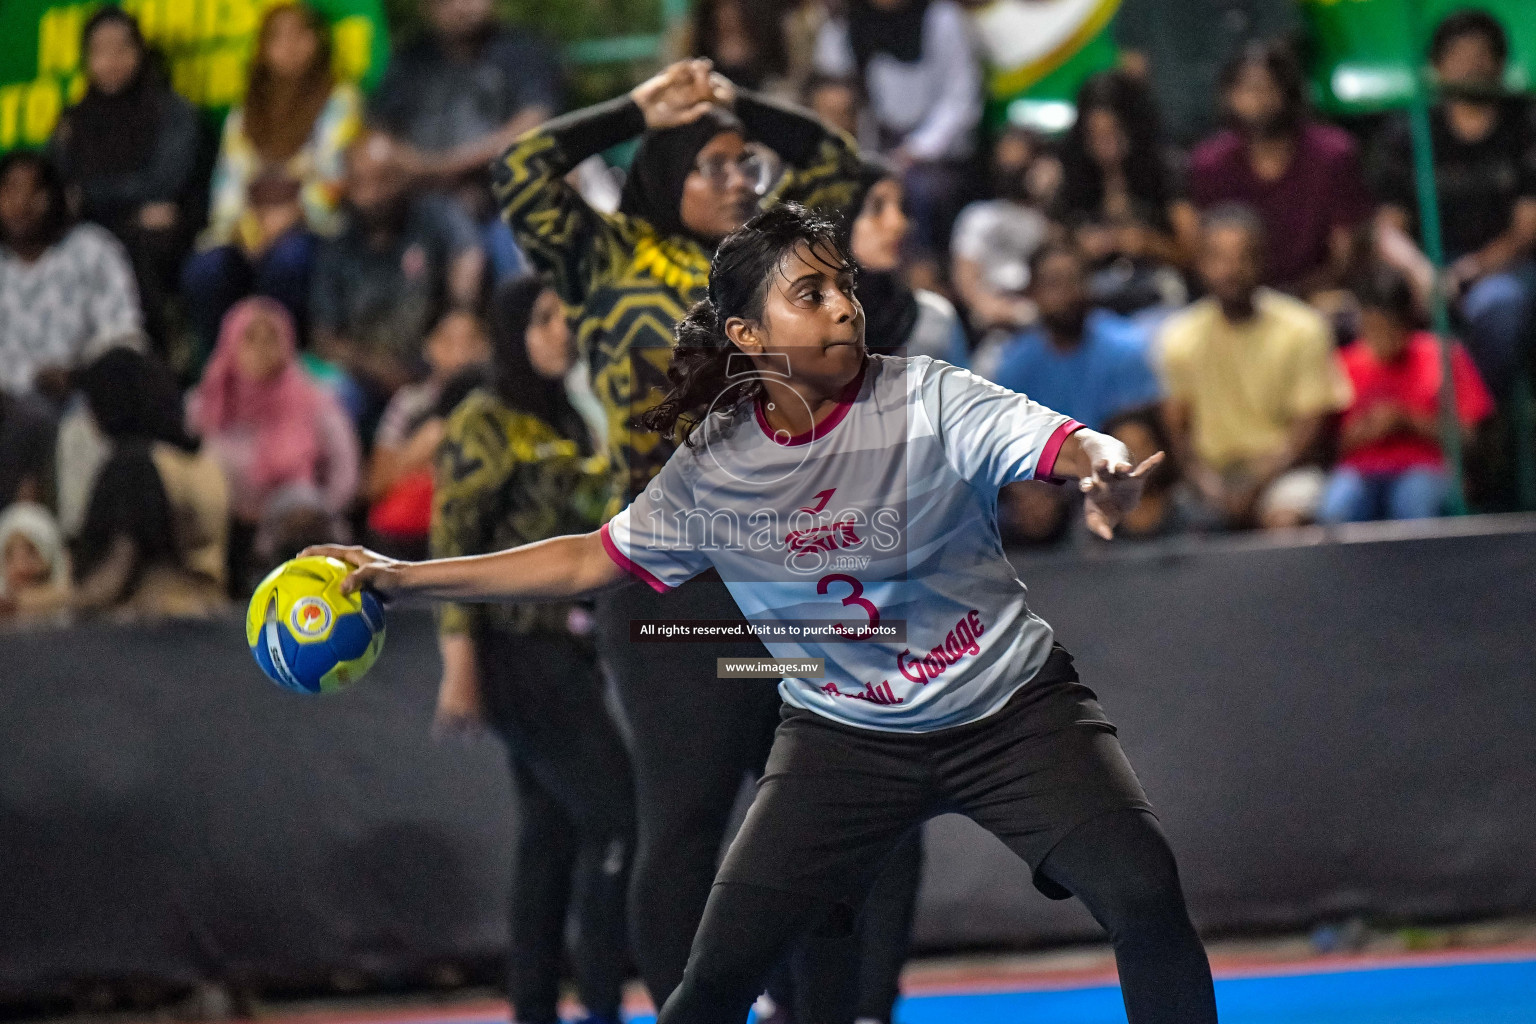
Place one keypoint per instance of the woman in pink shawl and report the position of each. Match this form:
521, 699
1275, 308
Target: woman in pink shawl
275, 432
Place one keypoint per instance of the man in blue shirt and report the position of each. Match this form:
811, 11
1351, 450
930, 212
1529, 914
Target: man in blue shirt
1087, 363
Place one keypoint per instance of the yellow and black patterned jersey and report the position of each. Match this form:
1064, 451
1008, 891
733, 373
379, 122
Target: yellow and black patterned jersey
505, 478
626, 285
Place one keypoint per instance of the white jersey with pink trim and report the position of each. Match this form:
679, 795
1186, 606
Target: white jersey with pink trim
874, 535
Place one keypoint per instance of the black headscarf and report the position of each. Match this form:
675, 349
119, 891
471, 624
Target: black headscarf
897, 33
134, 396
114, 134
890, 306
653, 190
515, 380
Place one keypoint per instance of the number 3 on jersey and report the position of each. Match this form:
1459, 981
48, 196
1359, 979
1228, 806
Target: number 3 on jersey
855, 596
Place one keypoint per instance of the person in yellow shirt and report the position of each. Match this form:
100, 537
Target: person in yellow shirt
1251, 384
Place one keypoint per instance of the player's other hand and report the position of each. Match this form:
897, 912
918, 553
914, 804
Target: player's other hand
383, 574
679, 95
1112, 490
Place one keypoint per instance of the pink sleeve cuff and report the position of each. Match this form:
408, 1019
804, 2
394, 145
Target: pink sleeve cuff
623, 562
1046, 467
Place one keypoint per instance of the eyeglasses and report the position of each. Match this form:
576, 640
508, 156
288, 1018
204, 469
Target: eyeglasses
754, 165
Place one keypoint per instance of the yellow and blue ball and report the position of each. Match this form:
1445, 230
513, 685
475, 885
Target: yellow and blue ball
307, 635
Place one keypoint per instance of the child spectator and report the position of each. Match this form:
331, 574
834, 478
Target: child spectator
900, 320
26, 449
1485, 178
994, 239
1115, 170
278, 178
457, 97
1180, 46
66, 290
1251, 383
1390, 462
923, 79
399, 487
34, 566
398, 265
1088, 363
267, 424
1302, 178
127, 152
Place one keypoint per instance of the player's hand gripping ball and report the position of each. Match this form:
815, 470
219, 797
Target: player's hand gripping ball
307, 635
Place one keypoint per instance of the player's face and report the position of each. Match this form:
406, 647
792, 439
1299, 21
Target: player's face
720, 194
812, 320
549, 337
111, 57
880, 228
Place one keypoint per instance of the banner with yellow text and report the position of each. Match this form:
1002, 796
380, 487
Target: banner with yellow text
205, 42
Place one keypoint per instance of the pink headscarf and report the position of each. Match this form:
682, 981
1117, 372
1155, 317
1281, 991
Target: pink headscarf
284, 408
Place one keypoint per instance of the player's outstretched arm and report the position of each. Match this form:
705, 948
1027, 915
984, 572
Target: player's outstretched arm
1102, 465
560, 568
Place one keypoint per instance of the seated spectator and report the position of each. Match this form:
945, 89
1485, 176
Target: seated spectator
994, 240
279, 173
1390, 462
399, 487
1115, 171
1302, 178
26, 450
270, 428
127, 152
899, 320
157, 523
34, 565
66, 290
1251, 383
456, 98
921, 73
1485, 177
398, 265
1088, 363
1180, 46
746, 41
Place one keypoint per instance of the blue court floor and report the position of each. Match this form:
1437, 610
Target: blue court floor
1460, 993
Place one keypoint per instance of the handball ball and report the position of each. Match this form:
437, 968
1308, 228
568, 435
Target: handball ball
307, 635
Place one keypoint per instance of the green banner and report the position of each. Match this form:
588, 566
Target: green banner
1038, 52
207, 44
1364, 59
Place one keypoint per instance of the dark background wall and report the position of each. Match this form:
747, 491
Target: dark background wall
1326, 730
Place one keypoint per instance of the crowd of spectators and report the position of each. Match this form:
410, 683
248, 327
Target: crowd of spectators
201, 373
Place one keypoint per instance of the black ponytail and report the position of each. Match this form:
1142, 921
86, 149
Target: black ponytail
707, 370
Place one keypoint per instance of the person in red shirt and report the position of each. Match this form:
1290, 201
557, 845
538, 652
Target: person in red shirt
1390, 464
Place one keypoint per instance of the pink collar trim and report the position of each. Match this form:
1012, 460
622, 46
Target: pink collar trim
845, 402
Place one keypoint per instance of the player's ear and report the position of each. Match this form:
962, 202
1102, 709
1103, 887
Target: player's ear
744, 335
